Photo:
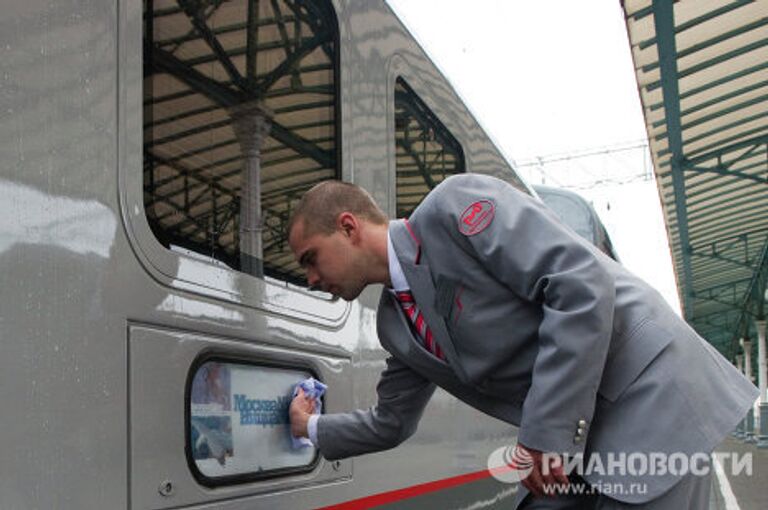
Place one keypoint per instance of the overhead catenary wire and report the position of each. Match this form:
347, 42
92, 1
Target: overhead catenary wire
591, 167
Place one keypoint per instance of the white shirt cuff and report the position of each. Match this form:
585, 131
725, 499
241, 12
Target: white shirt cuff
312, 428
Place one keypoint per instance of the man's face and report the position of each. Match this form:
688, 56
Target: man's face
332, 262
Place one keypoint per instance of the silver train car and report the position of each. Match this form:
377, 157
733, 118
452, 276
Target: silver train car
152, 319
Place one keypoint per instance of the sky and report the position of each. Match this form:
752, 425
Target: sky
553, 78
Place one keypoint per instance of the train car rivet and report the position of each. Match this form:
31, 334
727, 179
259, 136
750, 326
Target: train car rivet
166, 488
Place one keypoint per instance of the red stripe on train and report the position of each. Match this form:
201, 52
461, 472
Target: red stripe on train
408, 492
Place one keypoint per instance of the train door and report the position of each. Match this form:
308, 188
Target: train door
229, 113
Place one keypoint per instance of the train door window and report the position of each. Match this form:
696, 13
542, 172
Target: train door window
240, 118
237, 427
572, 210
426, 152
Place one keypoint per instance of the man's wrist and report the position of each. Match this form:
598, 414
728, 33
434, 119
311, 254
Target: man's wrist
299, 424
312, 428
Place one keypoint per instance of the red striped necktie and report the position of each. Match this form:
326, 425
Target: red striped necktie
405, 298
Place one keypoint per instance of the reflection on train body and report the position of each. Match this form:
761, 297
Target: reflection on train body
153, 151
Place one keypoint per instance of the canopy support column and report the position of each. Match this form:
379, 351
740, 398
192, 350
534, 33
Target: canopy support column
762, 373
251, 123
742, 426
749, 432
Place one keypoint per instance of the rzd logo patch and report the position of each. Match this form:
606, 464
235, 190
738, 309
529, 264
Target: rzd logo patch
476, 217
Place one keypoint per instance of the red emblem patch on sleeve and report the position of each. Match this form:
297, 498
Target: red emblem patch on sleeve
476, 217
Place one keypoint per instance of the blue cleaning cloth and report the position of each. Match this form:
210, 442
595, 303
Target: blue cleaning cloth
313, 388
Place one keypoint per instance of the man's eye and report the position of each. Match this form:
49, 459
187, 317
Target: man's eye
307, 261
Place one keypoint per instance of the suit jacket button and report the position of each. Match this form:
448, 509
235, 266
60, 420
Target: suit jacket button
577, 439
580, 432
582, 424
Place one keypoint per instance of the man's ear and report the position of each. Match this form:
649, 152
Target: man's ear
348, 224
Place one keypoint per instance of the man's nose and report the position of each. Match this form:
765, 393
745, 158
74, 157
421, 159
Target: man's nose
312, 278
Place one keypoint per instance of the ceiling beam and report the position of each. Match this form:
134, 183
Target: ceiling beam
725, 172
408, 148
193, 11
699, 20
227, 97
663, 18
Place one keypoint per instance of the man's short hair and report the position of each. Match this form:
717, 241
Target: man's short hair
321, 205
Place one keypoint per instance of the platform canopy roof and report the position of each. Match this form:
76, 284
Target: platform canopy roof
702, 74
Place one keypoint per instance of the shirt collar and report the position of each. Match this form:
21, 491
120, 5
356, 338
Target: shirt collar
396, 275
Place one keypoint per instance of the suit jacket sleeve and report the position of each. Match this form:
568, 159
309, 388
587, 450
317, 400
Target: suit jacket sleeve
402, 397
541, 261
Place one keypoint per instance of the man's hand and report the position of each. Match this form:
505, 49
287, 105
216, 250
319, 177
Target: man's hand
550, 475
302, 406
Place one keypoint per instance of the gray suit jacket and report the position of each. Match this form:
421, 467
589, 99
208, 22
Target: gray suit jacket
541, 330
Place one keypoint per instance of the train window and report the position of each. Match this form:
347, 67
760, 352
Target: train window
578, 214
237, 427
426, 151
240, 118
571, 209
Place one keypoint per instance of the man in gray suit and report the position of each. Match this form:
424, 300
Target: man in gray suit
525, 321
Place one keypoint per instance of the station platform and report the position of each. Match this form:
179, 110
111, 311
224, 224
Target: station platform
743, 491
